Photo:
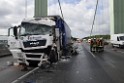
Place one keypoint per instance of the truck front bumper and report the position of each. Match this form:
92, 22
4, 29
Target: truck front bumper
22, 57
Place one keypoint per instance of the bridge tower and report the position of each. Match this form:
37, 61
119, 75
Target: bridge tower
117, 16
40, 8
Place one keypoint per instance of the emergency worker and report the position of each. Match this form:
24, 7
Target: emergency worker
97, 44
91, 44
101, 42
94, 45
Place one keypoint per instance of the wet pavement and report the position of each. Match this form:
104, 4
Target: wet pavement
82, 68
5, 60
8, 72
86, 67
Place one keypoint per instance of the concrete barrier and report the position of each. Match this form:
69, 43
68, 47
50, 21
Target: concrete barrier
4, 51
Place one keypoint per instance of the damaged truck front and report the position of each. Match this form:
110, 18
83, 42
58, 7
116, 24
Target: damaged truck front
39, 40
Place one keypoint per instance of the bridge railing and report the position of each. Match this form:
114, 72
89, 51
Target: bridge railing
4, 50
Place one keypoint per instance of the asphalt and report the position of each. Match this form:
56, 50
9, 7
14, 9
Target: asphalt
111, 60
8, 72
83, 68
86, 67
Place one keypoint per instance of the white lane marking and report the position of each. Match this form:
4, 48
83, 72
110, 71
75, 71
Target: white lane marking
23, 76
110, 64
90, 52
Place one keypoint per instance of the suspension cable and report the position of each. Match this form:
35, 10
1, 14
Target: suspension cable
94, 18
60, 8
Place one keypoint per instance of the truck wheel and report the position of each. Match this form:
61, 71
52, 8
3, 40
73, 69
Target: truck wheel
56, 56
53, 56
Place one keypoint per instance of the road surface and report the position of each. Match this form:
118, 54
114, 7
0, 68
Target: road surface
86, 67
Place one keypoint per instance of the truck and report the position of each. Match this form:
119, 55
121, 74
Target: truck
117, 40
39, 40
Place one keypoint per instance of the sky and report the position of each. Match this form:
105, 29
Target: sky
77, 13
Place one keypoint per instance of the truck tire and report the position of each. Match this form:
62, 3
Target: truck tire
53, 57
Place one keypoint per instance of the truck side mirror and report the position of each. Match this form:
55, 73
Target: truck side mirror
9, 31
117, 38
15, 32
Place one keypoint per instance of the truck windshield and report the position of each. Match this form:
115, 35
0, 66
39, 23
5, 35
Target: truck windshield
121, 37
34, 29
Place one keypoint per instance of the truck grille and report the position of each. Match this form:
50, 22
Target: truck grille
32, 56
28, 44
44, 50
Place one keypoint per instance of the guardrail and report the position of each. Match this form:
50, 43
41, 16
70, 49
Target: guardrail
4, 51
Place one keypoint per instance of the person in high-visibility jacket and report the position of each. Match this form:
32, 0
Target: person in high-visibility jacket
91, 45
94, 45
98, 44
101, 44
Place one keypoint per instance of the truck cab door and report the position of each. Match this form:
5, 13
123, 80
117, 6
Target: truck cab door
13, 37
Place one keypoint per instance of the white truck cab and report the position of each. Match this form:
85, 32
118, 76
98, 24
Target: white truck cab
32, 40
38, 40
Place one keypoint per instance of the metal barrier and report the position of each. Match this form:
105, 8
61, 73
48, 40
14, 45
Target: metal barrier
4, 50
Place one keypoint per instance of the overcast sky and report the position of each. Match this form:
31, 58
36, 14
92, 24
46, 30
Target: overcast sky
77, 13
